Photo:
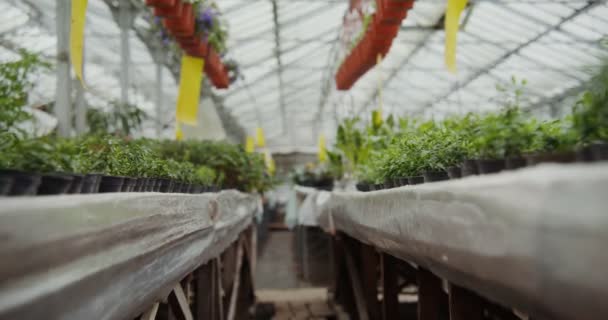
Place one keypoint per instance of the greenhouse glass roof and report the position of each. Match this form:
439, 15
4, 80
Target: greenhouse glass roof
287, 52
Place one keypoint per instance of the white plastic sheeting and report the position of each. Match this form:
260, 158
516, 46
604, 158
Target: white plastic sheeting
109, 256
534, 239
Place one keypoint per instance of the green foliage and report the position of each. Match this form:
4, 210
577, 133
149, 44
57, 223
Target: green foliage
206, 175
590, 114
15, 84
234, 167
123, 119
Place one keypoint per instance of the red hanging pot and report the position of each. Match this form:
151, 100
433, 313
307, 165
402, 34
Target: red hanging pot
182, 26
160, 3
201, 50
170, 11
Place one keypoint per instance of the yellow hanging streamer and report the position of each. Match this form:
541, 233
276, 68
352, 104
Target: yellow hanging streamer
452, 24
270, 164
179, 133
377, 118
322, 149
79, 14
260, 139
189, 90
377, 114
250, 145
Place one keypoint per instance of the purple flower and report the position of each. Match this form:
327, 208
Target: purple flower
206, 19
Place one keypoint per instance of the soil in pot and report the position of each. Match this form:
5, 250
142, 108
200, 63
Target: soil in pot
469, 168
514, 163
416, 180
111, 184
432, 176
6, 183
54, 184
90, 183
166, 185
454, 172
561, 157
599, 151
77, 183
488, 166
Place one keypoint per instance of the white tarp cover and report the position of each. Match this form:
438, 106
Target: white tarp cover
109, 256
534, 239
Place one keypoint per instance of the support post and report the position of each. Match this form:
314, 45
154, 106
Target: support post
432, 300
80, 103
62, 91
125, 14
369, 279
464, 304
159, 92
179, 304
390, 288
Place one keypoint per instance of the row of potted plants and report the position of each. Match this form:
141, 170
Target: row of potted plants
376, 38
484, 144
196, 27
101, 164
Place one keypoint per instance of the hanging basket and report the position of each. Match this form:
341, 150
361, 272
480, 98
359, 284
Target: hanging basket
182, 26
170, 11
161, 3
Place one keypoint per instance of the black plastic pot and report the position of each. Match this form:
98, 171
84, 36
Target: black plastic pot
469, 168
24, 184
455, 172
128, 184
178, 187
388, 184
166, 185
514, 163
90, 183
488, 166
432, 176
77, 182
599, 151
378, 186
157, 186
584, 154
111, 184
363, 187
196, 189
560, 157
416, 180
6, 183
149, 184
403, 181
54, 184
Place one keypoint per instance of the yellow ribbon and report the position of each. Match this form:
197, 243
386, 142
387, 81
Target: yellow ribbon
250, 145
179, 133
452, 23
78, 20
191, 77
260, 139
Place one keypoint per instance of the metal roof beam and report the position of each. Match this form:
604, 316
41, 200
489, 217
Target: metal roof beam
510, 53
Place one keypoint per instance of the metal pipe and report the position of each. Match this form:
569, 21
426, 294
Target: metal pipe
124, 17
62, 108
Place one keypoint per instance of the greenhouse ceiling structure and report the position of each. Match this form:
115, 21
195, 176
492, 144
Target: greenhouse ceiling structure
287, 53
